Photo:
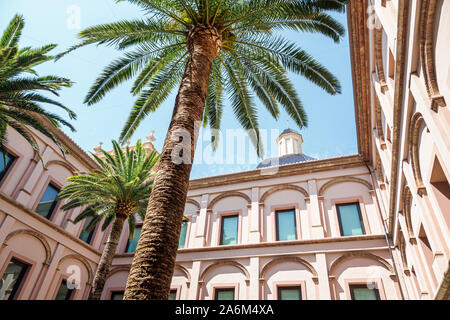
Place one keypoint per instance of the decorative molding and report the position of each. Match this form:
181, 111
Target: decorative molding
378, 34
82, 260
35, 234
229, 194
378, 122
193, 202
359, 254
341, 180
427, 24
273, 244
74, 149
406, 200
221, 263
185, 272
283, 187
350, 161
118, 269
413, 138
278, 260
66, 165
357, 16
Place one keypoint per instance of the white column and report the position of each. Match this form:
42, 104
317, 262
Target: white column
254, 278
42, 292
322, 272
255, 232
195, 274
316, 222
201, 230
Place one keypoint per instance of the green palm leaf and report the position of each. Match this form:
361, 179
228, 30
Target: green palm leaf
20, 98
253, 61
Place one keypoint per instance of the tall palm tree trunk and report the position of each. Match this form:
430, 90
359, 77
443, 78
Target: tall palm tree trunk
107, 257
153, 264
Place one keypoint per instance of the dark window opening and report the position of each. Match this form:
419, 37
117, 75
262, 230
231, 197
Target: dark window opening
286, 225
229, 232
224, 294
117, 295
64, 293
364, 292
290, 293
5, 163
173, 294
350, 219
12, 279
48, 202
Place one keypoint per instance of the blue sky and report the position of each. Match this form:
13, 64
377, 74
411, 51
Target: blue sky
331, 130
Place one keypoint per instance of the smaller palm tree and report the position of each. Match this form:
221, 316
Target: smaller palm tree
117, 192
20, 101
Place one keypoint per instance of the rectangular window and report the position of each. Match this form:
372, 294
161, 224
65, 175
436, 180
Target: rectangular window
64, 293
132, 243
173, 294
117, 295
289, 293
229, 232
12, 279
364, 292
5, 163
224, 294
289, 146
350, 220
182, 241
87, 236
285, 224
48, 202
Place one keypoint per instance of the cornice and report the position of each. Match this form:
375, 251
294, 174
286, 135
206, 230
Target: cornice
271, 244
349, 161
360, 60
402, 34
74, 149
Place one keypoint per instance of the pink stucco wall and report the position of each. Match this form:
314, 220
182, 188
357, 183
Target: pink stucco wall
321, 261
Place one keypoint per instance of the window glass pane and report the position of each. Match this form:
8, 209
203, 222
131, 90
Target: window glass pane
11, 279
182, 240
289, 145
229, 230
87, 236
47, 203
289, 293
117, 295
64, 293
173, 295
4, 164
350, 219
286, 225
132, 243
224, 294
364, 293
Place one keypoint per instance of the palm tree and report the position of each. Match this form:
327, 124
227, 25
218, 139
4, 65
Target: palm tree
19, 86
211, 48
117, 192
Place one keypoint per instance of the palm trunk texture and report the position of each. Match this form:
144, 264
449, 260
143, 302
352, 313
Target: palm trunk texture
154, 261
107, 257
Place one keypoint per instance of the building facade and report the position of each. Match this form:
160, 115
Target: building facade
374, 225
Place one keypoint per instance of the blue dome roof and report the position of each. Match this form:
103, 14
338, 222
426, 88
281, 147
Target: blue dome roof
284, 160
289, 131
